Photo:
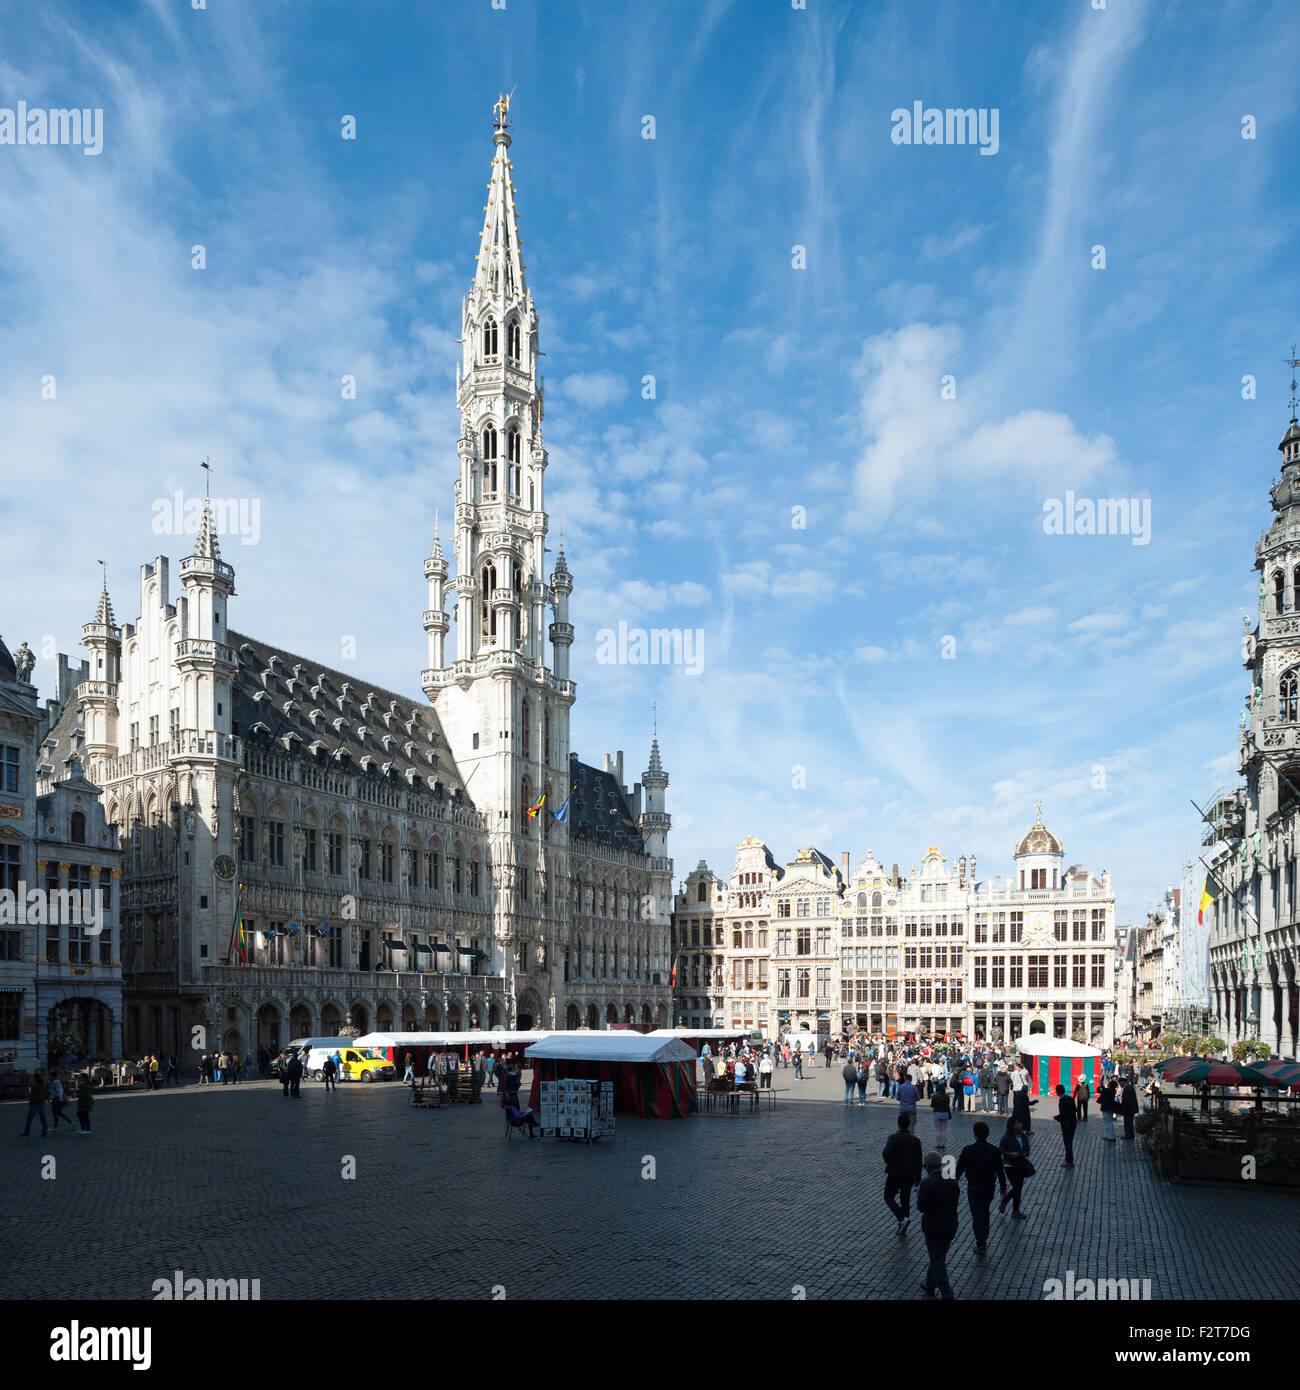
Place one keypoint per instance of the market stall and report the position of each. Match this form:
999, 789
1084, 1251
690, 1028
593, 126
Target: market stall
423, 1046
651, 1074
1053, 1062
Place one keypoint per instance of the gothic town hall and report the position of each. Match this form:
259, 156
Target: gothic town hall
387, 855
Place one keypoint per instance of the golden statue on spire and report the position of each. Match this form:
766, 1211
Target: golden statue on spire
502, 109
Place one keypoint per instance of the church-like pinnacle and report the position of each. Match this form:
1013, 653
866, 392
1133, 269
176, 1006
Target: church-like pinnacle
207, 545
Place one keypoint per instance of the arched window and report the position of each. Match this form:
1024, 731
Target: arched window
1279, 591
1287, 691
527, 730
78, 828
489, 338
862, 900
514, 456
875, 900
1295, 587
488, 623
512, 340
489, 459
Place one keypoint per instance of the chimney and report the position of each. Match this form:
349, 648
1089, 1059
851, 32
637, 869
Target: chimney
618, 768
972, 868
893, 876
844, 861
961, 871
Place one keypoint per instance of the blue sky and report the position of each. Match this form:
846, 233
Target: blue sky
776, 388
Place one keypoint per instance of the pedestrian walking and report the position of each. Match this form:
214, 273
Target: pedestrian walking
1016, 1164
908, 1096
284, 1076
882, 1078
864, 1075
1107, 1104
36, 1097
1082, 1094
1020, 1104
985, 1078
902, 1155
1128, 1105
798, 1064
981, 1165
409, 1074
84, 1103
1002, 1088
57, 1101
941, 1104
765, 1071
1068, 1118
153, 1073
295, 1078
936, 1200
850, 1074
329, 1074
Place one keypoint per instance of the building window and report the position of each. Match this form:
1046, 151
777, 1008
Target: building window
783, 984
1079, 966
275, 843
386, 862
805, 983
1098, 924
153, 731
1017, 972
803, 908
999, 927
823, 982
783, 941
310, 844
909, 957
981, 972
335, 838
9, 767
490, 339
1017, 927
1279, 592
1060, 969
78, 828
247, 840
1037, 972
823, 907
365, 859
1099, 972
999, 972
981, 929
474, 883
512, 340
174, 725
803, 941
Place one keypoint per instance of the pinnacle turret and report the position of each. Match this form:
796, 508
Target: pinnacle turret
207, 544
500, 269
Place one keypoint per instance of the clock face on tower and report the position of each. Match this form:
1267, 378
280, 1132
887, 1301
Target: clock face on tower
224, 866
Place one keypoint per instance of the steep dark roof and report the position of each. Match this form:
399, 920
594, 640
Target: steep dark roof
294, 705
598, 810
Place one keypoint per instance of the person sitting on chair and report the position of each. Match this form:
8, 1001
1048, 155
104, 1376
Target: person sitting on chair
519, 1118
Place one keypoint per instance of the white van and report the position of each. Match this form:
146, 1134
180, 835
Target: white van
302, 1048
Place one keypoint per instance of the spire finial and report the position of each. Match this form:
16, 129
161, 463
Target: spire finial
656, 721
435, 524
103, 568
1038, 811
1293, 362
206, 465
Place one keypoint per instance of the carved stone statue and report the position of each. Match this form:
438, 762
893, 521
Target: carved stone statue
24, 661
1243, 721
1259, 697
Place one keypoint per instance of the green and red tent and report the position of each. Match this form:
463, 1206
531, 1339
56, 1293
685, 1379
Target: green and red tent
1053, 1062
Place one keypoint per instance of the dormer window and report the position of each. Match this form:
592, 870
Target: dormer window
512, 340
490, 339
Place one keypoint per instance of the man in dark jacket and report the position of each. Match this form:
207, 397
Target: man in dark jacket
294, 1073
36, 1097
1068, 1118
1128, 1104
1002, 1085
902, 1155
982, 1165
936, 1200
984, 1078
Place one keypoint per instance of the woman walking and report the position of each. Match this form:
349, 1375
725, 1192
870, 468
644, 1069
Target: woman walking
1016, 1166
941, 1104
57, 1101
863, 1074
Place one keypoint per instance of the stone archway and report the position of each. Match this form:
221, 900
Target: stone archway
611, 1013
408, 1019
90, 1019
331, 1020
494, 1015
573, 1017
268, 1028
300, 1025
360, 1018
475, 1015
433, 1018
384, 1019
528, 1011
645, 1014
455, 1017
629, 1013
593, 1016
661, 1016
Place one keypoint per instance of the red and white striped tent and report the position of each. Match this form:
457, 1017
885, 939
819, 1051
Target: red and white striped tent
1053, 1062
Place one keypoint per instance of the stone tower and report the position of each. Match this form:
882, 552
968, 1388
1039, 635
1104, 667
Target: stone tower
504, 710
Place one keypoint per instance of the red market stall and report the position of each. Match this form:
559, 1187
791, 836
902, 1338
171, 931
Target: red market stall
425, 1046
1053, 1062
652, 1076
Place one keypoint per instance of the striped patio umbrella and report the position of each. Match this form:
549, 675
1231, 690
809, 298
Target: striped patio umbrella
1282, 1073
1181, 1070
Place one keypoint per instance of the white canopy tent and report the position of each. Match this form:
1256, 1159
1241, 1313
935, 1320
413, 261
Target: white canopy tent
493, 1038
1040, 1045
610, 1046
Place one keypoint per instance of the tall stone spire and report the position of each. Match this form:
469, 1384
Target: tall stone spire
500, 269
207, 544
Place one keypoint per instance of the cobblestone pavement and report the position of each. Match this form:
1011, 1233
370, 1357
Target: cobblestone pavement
226, 1182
